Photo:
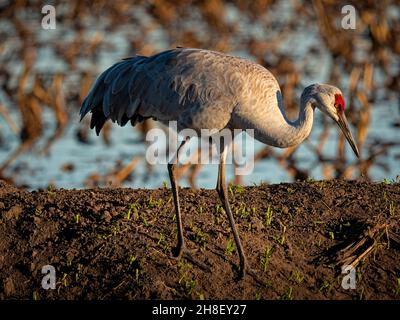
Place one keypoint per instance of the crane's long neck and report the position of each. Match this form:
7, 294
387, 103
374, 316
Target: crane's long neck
279, 131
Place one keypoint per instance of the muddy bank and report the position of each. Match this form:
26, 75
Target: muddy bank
116, 243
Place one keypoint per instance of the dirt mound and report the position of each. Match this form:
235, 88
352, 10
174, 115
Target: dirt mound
116, 243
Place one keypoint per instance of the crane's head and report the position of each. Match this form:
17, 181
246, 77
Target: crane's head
330, 101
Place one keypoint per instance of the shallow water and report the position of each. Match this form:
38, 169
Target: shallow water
38, 171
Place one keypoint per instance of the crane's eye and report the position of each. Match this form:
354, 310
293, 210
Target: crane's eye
339, 102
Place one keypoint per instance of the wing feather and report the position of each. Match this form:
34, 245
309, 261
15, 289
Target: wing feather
168, 86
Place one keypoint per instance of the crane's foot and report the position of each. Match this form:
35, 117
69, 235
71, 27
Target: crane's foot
177, 251
242, 268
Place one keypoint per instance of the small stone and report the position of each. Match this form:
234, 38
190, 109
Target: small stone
13, 213
107, 216
9, 288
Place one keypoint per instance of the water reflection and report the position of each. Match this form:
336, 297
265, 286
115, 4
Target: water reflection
45, 74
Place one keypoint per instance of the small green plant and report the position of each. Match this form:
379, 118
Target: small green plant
288, 295
281, 239
201, 238
332, 235
230, 248
35, 296
269, 215
170, 199
38, 211
297, 277
361, 293
235, 189
76, 218
201, 296
145, 222
217, 208
115, 229
258, 295
151, 203
133, 209
265, 258
190, 285
325, 287
51, 190
163, 243
64, 280
392, 208
79, 271
321, 184
398, 286
132, 259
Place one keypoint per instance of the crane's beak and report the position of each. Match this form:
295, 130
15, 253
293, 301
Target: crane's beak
344, 125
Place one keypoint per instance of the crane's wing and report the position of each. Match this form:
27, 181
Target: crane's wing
186, 85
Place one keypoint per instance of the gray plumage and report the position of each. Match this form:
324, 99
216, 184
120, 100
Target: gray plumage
197, 88
202, 89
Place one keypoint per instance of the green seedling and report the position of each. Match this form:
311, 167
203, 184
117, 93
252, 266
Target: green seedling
297, 277
163, 242
281, 239
265, 258
258, 296
132, 259
398, 286
190, 285
230, 248
151, 203
35, 296
201, 239
288, 295
325, 287
361, 293
169, 199
233, 189
51, 190
217, 208
392, 208
269, 215
64, 280
133, 210
76, 218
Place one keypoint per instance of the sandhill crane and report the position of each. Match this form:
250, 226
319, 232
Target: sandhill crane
202, 89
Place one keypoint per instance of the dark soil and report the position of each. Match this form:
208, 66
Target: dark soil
116, 243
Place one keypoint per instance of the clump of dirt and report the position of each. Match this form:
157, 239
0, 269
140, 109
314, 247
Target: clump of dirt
116, 243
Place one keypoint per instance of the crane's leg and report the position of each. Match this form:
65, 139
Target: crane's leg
174, 184
223, 194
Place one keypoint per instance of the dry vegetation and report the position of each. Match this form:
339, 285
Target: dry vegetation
355, 58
